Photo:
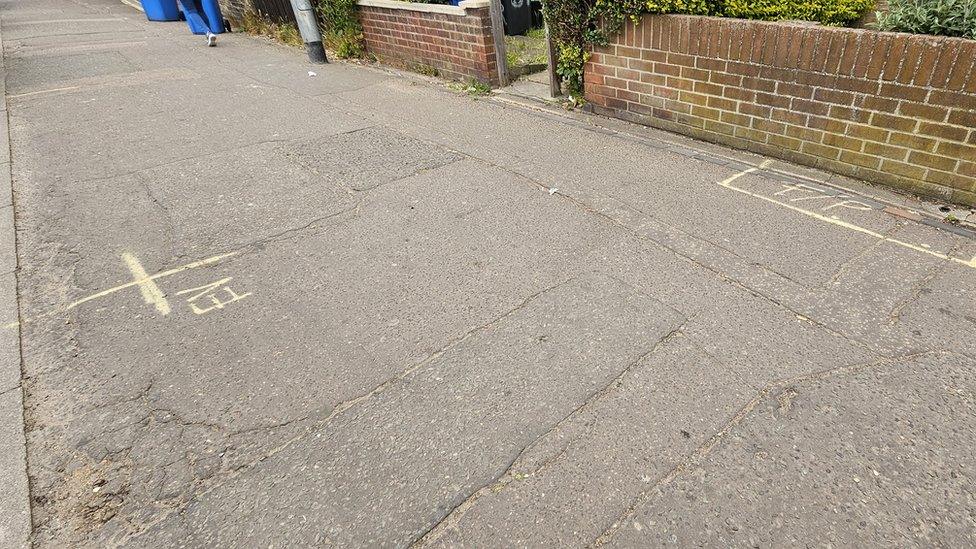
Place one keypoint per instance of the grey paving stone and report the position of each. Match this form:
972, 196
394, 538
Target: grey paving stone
868, 458
15, 519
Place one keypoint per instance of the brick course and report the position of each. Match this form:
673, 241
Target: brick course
458, 46
890, 108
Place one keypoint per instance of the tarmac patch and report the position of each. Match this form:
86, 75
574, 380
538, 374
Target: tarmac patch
367, 158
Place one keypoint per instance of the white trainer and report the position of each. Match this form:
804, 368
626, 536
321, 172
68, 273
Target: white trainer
211, 39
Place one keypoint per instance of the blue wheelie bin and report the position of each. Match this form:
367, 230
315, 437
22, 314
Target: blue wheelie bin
161, 10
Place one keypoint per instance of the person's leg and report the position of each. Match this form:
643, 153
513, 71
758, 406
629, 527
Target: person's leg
195, 20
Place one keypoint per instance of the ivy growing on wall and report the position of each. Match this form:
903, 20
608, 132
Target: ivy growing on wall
577, 25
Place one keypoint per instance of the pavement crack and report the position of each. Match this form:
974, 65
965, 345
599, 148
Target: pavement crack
337, 410
919, 288
581, 205
733, 371
511, 472
843, 268
269, 427
697, 456
285, 234
167, 215
180, 420
154, 199
209, 153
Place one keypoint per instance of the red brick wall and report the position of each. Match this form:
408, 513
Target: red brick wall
891, 108
458, 46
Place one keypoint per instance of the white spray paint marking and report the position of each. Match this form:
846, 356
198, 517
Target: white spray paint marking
62, 21
727, 183
42, 92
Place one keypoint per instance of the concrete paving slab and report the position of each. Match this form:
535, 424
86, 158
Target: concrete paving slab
8, 247
565, 489
15, 519
388, 260
831, 459
445, 428
365, 159
670, 194
165, 126
15, 515
5, 132
758, 340
38, 73
9, 335
6, 186
279, 70
185, 208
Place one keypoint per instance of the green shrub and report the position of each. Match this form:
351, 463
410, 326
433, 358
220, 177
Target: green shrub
828, 12
689, 7
943, 17
343, 33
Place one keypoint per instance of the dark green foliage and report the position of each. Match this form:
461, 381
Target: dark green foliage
944, 17
828, 12
689, 7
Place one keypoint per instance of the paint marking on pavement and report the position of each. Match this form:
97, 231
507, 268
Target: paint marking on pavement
134, 4
58, 21
40, 92
764, 165
151, 292
727, 183
91, 83
188, 266
136, 282
210, 290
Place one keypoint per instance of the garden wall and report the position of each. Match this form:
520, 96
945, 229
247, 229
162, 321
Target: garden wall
891, 108
455, 40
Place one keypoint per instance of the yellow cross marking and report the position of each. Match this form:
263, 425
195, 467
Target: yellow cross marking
139, 281
151, 292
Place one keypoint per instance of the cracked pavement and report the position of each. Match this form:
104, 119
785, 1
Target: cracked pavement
361, 309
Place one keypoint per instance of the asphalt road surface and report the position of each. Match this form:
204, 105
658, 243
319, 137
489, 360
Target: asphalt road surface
259, 308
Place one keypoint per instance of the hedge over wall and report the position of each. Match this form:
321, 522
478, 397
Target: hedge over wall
575, 25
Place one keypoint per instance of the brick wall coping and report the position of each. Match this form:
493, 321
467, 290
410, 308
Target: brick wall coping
425, 8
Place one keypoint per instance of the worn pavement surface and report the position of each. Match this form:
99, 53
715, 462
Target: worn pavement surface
259, 308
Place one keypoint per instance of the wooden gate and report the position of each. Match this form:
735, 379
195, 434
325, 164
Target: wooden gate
278, 11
